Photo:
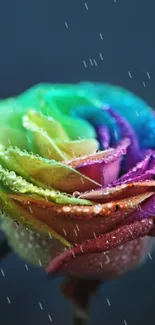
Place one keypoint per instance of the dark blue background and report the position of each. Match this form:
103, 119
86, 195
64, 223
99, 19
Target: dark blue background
36, 46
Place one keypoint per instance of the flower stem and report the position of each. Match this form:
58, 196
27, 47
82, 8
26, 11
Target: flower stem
79, 320
80, 292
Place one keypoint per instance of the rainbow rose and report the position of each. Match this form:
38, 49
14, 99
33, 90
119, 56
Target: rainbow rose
77, 193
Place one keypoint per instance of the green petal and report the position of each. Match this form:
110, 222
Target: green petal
49, 172
43, 143
42, 99
52, 141
29, 237
14, 211
13, 137
11, 113
63, 97
67, 97
11, 123
33, 96
76, 128
19, 185
78, 148
33, 246
52, 127
57, 101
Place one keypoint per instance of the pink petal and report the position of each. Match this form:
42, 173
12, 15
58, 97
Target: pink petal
102, 167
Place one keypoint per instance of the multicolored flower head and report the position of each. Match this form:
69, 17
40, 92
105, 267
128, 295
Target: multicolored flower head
77, 164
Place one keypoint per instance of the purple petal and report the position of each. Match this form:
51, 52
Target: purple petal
145, 210
152, 163
148, 175
134, 153
103, 136
135, 172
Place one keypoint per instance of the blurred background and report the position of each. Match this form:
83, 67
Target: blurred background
70, 41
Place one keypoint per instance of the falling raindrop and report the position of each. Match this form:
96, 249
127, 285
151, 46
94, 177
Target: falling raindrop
86, 5
108, 302
101, 36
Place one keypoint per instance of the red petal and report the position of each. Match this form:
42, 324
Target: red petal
102, 243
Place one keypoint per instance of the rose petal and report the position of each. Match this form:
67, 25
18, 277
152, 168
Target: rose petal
78, 148
57, 101
103, 136
136, 171
134, 153
140, 177
146, 210
18, 184
102, 243
78, 223
35, 247
42, 133
14, 137
152, 163
48, 124
148, 175
16, 213
134, 109
119, 192
55, 142
109, 264
101, 172
46, 172
102, 167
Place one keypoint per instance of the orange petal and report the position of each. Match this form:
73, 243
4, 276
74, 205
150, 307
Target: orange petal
119, 192
77, 223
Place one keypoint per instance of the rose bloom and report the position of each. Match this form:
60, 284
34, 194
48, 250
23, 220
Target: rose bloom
76, 171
